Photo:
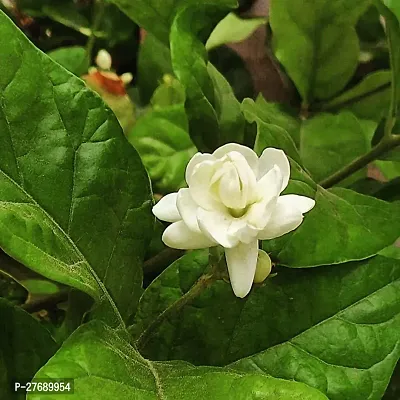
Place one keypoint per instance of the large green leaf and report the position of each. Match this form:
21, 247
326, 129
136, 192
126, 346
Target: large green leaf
370, 99
74, 196
105, 366
357, 225
317, 43
335, 328
213, 111
25, 346
329, 142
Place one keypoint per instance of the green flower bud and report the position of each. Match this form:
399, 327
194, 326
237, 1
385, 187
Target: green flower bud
263, 268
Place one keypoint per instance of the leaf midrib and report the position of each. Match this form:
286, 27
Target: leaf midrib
74, 247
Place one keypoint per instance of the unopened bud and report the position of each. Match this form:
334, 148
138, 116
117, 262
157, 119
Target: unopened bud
126, 78
264, 266
103, 60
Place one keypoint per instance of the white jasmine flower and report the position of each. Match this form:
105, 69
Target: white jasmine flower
233, 200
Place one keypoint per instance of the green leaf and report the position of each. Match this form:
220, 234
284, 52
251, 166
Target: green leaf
300, 182
40, 287
390, 169
25, 346
369, 99
230, 118
334, 328
211, 122
360, 226
161, 137
74, 196
73, 58
316, 53
330, 142
154, 61
391, 252
169, 93
394, 6
268, 134
105, 366
156, 16
275, 114
121, 105
351, 351
233, 29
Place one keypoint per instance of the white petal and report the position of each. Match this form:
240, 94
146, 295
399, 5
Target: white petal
302, 203
271, 157
216, 226
285, 218
199, 185
270, 184
245, 151
229, 187
188, 209
166, 209
195, 160
243, 231
242, 261
247, 176
179, 236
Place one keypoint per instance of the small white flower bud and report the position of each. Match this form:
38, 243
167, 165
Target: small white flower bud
103, 60
126, 78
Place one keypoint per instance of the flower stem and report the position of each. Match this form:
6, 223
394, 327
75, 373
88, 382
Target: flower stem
389, 142
97, 18
202, 283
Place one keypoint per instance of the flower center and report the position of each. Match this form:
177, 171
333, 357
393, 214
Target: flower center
238, 212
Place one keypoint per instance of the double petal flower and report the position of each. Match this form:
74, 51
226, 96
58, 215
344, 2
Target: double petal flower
234, 200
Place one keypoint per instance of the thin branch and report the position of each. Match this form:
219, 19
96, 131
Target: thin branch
202, 283
158, 263
387, 143
335, 106
97, 18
